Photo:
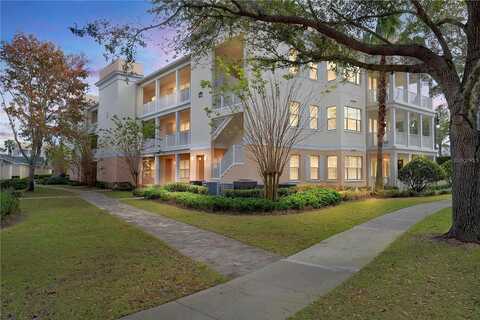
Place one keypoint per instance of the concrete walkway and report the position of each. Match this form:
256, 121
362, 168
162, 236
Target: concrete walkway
282, 288
229, 257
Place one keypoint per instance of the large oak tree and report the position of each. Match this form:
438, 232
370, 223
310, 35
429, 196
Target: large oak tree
43, 91
436, 37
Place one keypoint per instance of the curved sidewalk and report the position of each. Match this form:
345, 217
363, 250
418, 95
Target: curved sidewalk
282, 288
227, 256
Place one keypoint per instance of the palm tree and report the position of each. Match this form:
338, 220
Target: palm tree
9, 146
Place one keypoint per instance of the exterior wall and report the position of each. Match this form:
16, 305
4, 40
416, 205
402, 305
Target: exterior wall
113, 169
8, 170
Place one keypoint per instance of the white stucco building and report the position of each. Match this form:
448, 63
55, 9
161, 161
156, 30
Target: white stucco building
190, 145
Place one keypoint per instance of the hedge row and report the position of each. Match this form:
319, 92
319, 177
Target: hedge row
9, 203
256, 193
185, 187
314, 198
16, 183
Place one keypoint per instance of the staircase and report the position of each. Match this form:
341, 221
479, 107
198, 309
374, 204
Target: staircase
234, 156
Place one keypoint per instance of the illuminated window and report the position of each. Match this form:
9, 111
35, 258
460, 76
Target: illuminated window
352, 75
184, 170
294, 113
313, 117
313, 71
352, 120
185, 125
331, 118
386, 167
331, 71
353, 168
332, 167
314, 167
294, 167
292, 56
426, 126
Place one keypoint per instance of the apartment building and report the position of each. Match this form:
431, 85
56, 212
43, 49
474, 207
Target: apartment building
191, 144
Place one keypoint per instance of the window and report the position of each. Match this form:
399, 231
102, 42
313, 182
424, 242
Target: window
94, 116
331, 118
185, 125
294, 113
332, 167
184, 170
294, 167
292, 56
426, 126
313, 71
352, 75
353, 168
353, 118
414, 122
314, 167
386, 167
331, 71
313, 117
400, 126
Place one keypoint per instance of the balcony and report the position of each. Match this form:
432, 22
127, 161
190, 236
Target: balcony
166, 101
177, 139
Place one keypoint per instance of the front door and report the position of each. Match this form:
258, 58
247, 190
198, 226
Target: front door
201, 168
168, 170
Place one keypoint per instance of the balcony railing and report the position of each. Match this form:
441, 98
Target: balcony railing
412, 97
426, 102
166, 101
185, 95
399, 95
180, 138
227, 100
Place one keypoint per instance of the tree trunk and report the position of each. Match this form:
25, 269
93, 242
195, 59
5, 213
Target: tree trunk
271, 186
382, 97
466, 177
31, 177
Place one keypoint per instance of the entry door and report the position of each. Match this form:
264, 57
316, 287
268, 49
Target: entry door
168, 170
201, 167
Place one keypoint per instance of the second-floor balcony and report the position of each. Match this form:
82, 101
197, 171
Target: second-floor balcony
168, 142
166, 101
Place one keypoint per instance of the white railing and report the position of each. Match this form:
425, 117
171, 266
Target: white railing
372, 95
427, 141
233, 156
185, 95
426, 102
180, 138
167, 100
414, 140
227, 100
401, 138
399, 94
149, 107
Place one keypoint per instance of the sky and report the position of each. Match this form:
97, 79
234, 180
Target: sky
49, 21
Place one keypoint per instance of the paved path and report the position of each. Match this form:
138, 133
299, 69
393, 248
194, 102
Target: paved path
230, 257
282, 288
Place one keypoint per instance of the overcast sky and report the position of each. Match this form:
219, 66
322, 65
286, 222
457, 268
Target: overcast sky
49, 21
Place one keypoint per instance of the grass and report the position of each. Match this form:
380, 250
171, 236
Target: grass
118, 194
69, 260
415, 278
285, 234
46, 192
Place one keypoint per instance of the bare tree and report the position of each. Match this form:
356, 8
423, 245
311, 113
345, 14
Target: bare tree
82, 153
273, 125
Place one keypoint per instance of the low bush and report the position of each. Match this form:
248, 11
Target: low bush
122, 186
447, 168
15, 183
9, 203
419, 173
101, 184
56, 180
185, 187
75, 183
348, 195
256, 193
313, 198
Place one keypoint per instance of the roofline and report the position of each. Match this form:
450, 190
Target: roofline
172, 64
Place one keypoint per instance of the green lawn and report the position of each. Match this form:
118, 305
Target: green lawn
66, 259
46, 192
286, 234
118, 194
415, 278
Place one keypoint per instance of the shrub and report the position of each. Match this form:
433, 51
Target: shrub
420, 173
15, 183
185, 187
442, 160
75, 183
354, 194
56, 180
101, 184
447, 168
256, 193
122, 186
9, 203
314, 197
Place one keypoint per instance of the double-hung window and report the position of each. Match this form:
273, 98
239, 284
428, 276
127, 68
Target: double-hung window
353, 119
332, 167
294, 113
331, 71
184, 169
331, 118
352, 75
294, 167
353, 168
314, 160
313, 74
313, 117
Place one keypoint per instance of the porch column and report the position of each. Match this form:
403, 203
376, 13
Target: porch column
391, 86
408, 128
393, 168
394, 126
157, 170
177, 86
157, 131
177, 166
421, 129
405, 87
177, 127
432, 131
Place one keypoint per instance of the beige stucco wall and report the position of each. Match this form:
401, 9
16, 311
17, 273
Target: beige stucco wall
113, 169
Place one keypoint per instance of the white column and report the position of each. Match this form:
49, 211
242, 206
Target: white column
405, 87
408, 128
394, 126
177, 127
157, 94
157, 131
391, 86
177, 166
432, 131
393, 168
421, 129
157, 170
177, 86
